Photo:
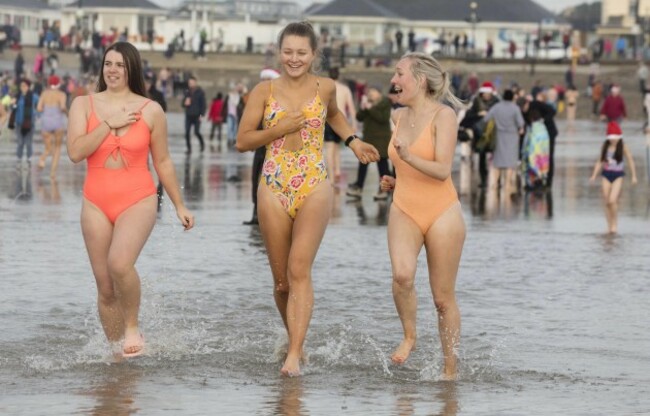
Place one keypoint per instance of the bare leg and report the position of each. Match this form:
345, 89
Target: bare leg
47, 141
331, 161
58, 138
444, 245
308, 230
612, 203
130, 233
606, 191
493, 179
404, 244
276, 227
98, 233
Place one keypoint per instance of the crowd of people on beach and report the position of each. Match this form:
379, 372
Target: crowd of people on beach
297, 123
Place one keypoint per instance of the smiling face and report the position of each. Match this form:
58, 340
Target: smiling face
296, 55
407, 87
114, 70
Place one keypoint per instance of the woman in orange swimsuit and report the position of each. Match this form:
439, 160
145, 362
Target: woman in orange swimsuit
115, 130
295, 196
425, 209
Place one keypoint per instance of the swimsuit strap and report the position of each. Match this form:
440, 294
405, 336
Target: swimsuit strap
144, 105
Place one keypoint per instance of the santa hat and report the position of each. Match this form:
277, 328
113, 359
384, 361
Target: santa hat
487, 86
614, 130
53, 81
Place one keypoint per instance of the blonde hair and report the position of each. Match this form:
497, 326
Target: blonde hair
425, 67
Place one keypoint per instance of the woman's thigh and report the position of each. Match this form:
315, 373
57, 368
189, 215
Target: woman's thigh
444, 245
276, 227
405, 241
131, 231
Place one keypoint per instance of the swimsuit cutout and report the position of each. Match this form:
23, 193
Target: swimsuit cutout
422, 198
52, 118
293, 174
115, 190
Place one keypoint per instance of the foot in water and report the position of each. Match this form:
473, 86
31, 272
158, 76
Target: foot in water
133, 344
291, 367
401, 354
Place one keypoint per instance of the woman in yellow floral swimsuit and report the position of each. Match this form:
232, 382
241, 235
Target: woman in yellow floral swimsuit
295, 197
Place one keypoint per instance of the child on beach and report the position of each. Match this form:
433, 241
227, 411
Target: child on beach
611, 164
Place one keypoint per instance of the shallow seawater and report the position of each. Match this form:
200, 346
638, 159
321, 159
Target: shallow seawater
555, 312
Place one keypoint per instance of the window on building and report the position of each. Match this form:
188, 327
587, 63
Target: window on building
145, 23
362, 32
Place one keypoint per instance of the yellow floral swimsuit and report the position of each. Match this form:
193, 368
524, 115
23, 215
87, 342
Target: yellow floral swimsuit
293, 174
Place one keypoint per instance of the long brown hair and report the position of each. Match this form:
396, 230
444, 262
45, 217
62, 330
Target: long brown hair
133, 65
618, 153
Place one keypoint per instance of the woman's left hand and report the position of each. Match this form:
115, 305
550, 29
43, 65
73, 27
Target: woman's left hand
365, 152
402, 149
186, 217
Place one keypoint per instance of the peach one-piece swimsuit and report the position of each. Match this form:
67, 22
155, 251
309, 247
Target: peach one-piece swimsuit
422, 198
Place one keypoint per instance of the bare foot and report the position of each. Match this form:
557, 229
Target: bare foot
401, 354
291, 367
133, 343
449, 376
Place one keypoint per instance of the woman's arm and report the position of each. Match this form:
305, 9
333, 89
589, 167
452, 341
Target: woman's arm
597, 168
163, 164
445, 128
40, 105
80, 143
249, 136
630, 159
365, 152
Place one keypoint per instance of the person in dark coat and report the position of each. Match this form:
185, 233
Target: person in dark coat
195, 108
375, 116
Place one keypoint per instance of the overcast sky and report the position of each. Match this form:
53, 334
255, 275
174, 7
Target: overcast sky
553, 5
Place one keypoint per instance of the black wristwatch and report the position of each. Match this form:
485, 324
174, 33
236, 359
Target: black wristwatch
349, 139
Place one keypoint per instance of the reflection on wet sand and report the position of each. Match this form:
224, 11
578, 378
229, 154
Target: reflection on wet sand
289, 401
115, 392
446, 395
22, 189
381, 218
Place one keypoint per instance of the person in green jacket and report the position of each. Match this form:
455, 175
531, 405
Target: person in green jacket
375, 116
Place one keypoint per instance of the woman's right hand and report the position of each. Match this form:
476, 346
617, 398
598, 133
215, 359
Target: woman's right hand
292, 122
123, 118
387, 183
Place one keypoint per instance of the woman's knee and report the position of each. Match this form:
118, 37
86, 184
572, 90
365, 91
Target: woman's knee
106, 294
404, 278
118, 268
298, 270
444, 302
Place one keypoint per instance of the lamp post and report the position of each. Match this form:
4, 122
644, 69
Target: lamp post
473, 19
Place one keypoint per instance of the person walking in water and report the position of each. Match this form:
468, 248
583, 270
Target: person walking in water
295, 196
115, 130
425, 210
52, 106
611, 166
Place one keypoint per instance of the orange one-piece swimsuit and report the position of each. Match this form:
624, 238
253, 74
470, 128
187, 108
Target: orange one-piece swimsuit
115, 190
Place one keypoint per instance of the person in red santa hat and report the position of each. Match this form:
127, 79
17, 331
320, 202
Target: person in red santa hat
53, 109
611, 166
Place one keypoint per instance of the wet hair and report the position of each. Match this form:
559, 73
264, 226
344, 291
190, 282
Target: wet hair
132, 64
300, 29
428, 69
508, 95
618, 153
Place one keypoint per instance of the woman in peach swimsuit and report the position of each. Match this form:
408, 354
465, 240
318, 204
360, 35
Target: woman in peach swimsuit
115, 130
425, 210
295, 195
